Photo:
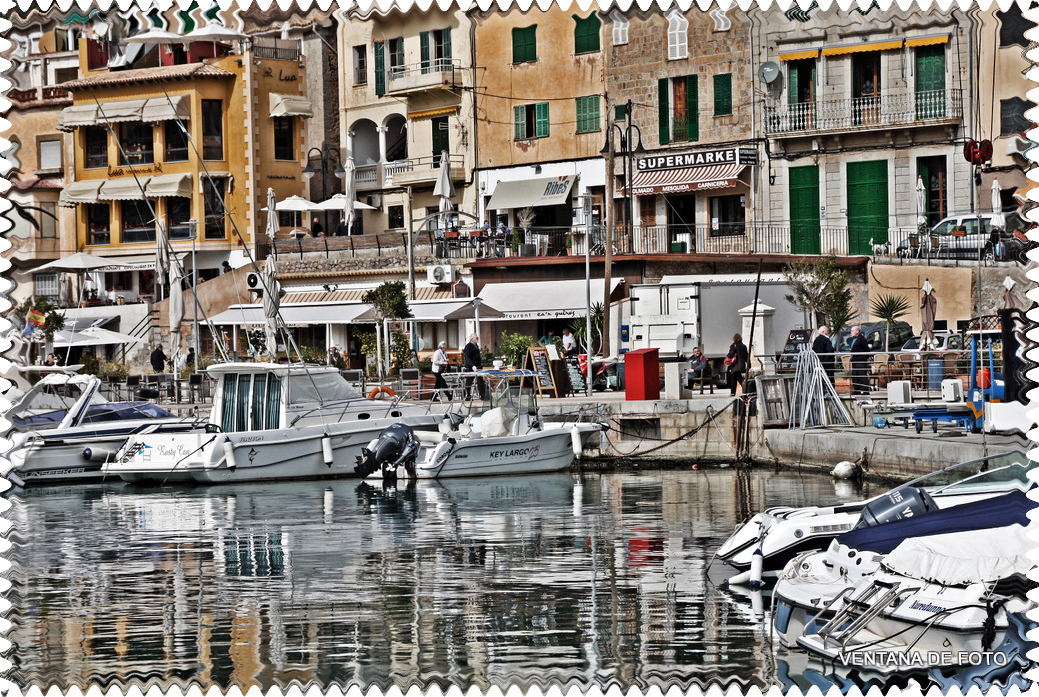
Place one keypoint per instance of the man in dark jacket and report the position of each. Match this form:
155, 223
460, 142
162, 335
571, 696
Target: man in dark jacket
158, 359
473, 361
859, 356
823, 347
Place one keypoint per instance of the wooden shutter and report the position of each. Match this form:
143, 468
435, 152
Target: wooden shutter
663, 106
400, 52
541, 120
792, 86
582, 114
692, 107
593, 115
380, 69
424, 50
519, 117
723, 94
447, 48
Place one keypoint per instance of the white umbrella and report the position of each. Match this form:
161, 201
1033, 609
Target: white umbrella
271, 303
76, 263
157, 36
93, 336
295, 203
176, 309
445, 189
272, 217
339, 203
998, 219
162, 253
921, 202
350, 195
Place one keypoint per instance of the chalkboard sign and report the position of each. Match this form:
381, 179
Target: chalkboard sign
537, 360
797, 339
573, 367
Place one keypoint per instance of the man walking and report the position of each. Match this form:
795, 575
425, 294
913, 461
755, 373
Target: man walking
823, 347
859, 356
440, 366
158, 359
473, 361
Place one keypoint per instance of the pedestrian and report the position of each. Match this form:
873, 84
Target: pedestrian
473, 362
859, 348
189, 361
823, 347
698, 370
440, 366
569, 343
737, 359
341, 228
225, 267
158, 359
316, 229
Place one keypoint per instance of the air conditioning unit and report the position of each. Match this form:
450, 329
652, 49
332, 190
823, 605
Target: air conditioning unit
440, 274
952, 390
374, 200
900, 392
253, 281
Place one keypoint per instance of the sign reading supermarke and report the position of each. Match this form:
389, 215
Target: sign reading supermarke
700, 158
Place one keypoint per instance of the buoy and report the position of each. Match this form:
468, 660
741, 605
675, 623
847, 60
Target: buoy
757, 563
575, 440
326, 449
229, 455
381, 389
846, 470
98, 454
15, 479
739, 579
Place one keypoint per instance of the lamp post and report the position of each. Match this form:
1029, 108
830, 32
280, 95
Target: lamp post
324, 159
193, 235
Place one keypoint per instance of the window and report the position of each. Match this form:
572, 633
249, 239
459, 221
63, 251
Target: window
96, 146
283, 138
723, 94
531, 120
586, 34
1012, 27
1012, 118
620, 112
62, 75
360, 65
865, 84
620, 29
396, 56
46, 286
49, 152
588, 114
176, 142
435, 50
212, 130
48, 218
214, 191
178, 213
728, 216
677, 37
679, 109
396, 217
99, 223
138, 225
137, 143
524, 44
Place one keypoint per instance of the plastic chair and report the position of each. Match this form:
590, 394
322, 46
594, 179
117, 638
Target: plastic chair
195, 387
132, 383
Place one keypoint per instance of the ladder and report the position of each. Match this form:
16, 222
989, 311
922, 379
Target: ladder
860, 610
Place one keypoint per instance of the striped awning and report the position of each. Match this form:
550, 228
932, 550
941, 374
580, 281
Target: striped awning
123, 189
177, 106
799, 55
929, 40
886, 45
429, 113
673, 181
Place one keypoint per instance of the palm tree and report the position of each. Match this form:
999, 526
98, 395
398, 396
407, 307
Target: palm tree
889, 308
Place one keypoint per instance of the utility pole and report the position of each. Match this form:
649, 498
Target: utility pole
610, 210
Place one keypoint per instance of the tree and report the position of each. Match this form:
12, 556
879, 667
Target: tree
888, 308
388, 301
820, 286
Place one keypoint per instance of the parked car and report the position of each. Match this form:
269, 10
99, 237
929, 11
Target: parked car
945, 341
874, 332
958, 237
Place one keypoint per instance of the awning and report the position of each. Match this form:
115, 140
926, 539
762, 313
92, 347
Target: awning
293, 315
202, 176
81, 322
77, 115
128, 110
862, 48
440, 311
169, 185
123, 189
542, 299
670, 181
429, 113
162, 109
799, 55
134, 262
290, 105
550, 191
929, 40
80, 192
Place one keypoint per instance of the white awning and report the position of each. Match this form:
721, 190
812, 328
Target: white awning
134, 262
290, 105
162, 109
293, 315
80, 192
77, 115
124, 189
81, 322
550, 191
169, 185
439, 311
128, 110
542, 299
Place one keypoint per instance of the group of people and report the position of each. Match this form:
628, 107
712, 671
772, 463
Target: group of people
158, 360
737, 360
824, 347
318, 230
491, 242
472, 361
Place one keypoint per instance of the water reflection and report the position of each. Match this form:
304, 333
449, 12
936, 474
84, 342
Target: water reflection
594, 579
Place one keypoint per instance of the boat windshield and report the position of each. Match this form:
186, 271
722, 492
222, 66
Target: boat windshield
320, 387
113, 411
990, 473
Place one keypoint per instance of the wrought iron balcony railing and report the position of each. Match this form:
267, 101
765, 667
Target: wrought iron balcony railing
884, 111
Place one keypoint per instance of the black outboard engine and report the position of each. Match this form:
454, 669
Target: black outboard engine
395, 446
898, 504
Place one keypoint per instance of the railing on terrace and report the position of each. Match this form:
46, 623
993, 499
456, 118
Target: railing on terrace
33, 94
865, 112
413, 74
276, 49
417, 164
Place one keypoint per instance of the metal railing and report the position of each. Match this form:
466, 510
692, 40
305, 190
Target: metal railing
277, 49
416, 74
890, 109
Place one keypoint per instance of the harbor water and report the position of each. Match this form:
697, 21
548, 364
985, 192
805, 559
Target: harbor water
567, 578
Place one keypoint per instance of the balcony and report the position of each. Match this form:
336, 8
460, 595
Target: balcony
368, 177
52, 95
276, 49
910, 109
430, 75
421, 170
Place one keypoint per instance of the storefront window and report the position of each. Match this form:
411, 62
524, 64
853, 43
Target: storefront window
137, 222
176, 143
178, 213
96, 146
137, 142
99, 221
728, 216
212, 130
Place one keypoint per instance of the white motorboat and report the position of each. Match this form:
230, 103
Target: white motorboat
63, 429
270, 421
509, 438
783, 532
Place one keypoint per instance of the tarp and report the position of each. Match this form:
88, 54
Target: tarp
550, 191
964, 557
542, 299
440, 311
293, 315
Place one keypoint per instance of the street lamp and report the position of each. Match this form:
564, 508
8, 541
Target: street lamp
324, 159
628, 162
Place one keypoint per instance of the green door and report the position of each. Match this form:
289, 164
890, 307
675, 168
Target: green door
804, 210
930, 82
441, 142
867, 205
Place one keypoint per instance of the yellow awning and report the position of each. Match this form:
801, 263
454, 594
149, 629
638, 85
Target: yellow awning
440, 111
863, 48
927, 40
799, 55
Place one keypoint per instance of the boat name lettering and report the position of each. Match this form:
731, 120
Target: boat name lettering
883, 657
530, 453
52, 473
176, 450
250, 439
926, 607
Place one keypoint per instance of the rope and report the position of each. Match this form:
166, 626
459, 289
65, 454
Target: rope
710, 417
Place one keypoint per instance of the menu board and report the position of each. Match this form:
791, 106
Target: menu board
573, 367
537, 360
795, 341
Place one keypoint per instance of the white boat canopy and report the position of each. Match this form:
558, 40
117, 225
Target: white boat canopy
964, 557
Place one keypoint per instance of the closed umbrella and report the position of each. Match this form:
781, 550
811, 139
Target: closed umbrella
176, 309
162, 254
271, 303
921, 203
928, 311
65, 290
445, 189
999, 221
1011, 301
272, 217
350, 195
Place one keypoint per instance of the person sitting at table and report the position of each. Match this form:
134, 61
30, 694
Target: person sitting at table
480, 240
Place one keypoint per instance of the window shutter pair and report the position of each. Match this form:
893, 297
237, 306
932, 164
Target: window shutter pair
540, 121
692, 108
524, 44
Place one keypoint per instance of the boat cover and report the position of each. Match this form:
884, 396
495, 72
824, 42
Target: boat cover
976, 515
964, 557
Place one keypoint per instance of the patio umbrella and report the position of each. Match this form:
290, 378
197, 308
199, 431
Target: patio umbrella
921, 203
350, 194
928, 311
998, 219
445, 189
339, 202
176, 309
162, 253
272, 218
1010, 299
93, 336
78, 263
271, 303
157, 36
295, 203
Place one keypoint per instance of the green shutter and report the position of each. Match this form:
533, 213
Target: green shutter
664, 106
593, 112
400, 52
692, 108
723, 94
532, 43
586, 34
582, 114
524, 44
541, 120
620, 112
519, 117
380, 69
792, 86
805, 215
588, 114
424, 50
447, 46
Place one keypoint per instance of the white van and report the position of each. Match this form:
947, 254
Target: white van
957, 237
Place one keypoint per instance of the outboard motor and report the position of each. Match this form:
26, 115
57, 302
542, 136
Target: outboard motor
396, 446
898, 504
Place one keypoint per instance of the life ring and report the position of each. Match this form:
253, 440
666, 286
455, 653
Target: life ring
381, 388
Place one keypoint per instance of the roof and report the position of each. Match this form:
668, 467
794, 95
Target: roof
157, 74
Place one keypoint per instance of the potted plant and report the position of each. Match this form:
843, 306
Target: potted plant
524, 219
959, 231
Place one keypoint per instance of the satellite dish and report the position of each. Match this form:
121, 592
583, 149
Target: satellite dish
768, 72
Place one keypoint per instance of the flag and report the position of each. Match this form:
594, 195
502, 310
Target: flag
36, 317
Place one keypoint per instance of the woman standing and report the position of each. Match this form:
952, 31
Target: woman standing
738, 360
